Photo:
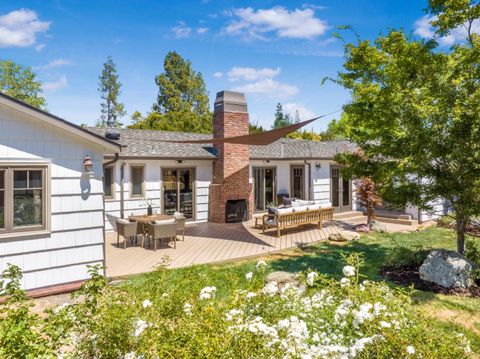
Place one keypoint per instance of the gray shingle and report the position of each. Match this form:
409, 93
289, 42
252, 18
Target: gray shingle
149, 143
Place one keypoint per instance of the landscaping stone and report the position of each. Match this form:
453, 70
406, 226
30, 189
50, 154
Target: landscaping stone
283, 278
344, 236
378, 227
361, 228
448, 269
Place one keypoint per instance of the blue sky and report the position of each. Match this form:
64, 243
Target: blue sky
275, 51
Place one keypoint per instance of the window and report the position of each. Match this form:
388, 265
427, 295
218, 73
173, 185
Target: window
137, 181
23, 199
108, 182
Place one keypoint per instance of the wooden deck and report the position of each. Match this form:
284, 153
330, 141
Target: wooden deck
208, 243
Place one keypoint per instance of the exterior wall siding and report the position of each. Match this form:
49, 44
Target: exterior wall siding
76, 204
153, 188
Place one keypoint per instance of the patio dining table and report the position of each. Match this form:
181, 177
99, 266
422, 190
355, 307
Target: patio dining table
144, 219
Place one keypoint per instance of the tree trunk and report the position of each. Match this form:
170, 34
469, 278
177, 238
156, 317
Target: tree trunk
460, 235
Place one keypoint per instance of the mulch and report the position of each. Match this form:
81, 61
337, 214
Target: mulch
408, 276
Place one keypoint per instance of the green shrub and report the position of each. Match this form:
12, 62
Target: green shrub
447, 221
472, 252
406, 257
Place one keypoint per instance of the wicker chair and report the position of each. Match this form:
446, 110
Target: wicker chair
128, 230
159, 231
180, 221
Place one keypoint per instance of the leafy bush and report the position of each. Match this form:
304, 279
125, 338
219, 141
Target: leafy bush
350, 318
472, 252
447, 221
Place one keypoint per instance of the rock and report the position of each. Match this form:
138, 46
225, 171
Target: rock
361, 228
286, 278
344, 236
378, 227
448, 269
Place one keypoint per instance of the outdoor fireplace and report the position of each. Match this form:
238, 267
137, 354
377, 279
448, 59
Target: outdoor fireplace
230, 192
236, 210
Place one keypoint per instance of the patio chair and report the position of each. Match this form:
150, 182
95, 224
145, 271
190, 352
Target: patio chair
126, 229
180, 220
157, 230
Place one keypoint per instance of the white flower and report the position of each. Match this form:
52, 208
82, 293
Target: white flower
250, 295
59, 308
187, 309
348, 271
311, 278
207, 293
234, 315
378, 308
344, 282
140, 326
270, 289
410, 350
249, 276
146, 303
261, 264
385, 324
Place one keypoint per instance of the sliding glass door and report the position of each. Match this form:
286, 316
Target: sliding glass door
340, 191
297, 176
178, 195
264, 187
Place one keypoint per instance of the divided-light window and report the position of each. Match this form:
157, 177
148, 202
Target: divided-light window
23, 205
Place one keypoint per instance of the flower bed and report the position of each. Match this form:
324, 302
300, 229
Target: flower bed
350, 318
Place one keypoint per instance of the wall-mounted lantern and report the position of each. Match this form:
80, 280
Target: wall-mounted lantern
318, 165
179, 162
87, 164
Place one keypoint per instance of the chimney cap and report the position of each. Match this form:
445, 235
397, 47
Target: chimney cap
230, 101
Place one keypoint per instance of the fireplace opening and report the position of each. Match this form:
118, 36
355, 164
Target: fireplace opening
236, 211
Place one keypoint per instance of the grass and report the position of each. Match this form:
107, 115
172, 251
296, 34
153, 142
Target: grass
449, 313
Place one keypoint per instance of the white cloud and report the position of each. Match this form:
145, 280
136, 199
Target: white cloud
202, 30
181, 31
313, 6
40, 47
218, 74
423, 28
19, 28
291, 108
55, 85
57, 63
252, 74
256, 24
269, 87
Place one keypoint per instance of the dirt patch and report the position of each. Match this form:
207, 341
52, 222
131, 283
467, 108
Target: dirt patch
409, 275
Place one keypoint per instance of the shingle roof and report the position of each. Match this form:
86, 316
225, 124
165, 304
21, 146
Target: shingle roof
149, 143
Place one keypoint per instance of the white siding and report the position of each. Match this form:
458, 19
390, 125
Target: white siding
76, 203
153, 188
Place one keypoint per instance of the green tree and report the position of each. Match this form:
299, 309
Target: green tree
109, 87
21, 83
337, 129
415, 115
281, 119
182, 102
255, 128
136, 117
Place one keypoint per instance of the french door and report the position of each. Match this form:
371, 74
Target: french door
264, 182
297, 180
340, 191
178, 194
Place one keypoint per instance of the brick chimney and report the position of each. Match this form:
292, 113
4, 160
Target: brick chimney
231, 195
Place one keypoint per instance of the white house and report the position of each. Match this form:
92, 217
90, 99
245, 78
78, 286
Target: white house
54, 208
51, 209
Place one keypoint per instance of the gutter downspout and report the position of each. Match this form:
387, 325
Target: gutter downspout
115, 159
122, 195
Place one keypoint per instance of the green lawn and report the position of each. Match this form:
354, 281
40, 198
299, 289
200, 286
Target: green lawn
449, 312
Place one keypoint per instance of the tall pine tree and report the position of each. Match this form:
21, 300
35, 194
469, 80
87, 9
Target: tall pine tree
109, 87
281, 120
182, 103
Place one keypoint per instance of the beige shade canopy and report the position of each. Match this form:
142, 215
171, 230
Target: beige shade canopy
262, 138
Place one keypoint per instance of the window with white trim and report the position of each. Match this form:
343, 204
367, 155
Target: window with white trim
108, 182
23, 199
138, 179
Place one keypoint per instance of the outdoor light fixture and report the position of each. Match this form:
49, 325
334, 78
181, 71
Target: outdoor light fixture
87, 164
266, 161
179, 162
318, 165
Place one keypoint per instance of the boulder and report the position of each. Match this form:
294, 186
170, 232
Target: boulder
378, 227
344, 236
448, 269
286, 279
361, 228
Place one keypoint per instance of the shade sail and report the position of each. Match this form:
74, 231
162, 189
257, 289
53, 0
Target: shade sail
262, 138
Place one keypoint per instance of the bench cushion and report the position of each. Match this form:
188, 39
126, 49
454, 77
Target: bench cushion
300, 209
281, 211
166, 221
